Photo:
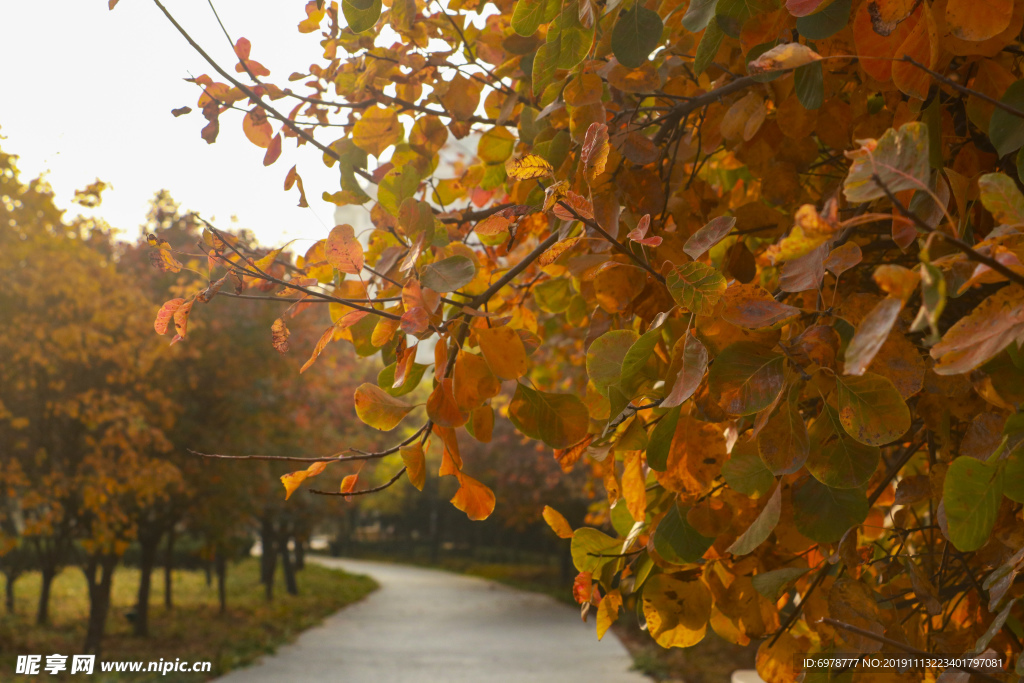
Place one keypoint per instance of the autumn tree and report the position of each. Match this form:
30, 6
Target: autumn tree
84, 418
755, 266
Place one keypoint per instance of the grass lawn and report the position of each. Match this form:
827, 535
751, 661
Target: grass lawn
193, 630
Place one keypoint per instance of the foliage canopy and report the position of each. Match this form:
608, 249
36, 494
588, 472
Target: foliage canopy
755, 266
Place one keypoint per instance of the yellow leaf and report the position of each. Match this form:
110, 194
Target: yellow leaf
293, 480
379, 409
677, 611
377, 130
527, 167
608, 612
558, 523
415, 464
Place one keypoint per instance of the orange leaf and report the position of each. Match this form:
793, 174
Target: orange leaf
473, 498
504, 351
441, 406
343, 250
166, 314
280, 333
257, 128
923, 46
977, 21
558, 523
324, 340
634, 486
348, 484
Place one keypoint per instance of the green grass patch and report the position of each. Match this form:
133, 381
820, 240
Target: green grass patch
193, 630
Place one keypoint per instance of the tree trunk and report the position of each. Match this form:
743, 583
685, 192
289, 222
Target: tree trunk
222, 571
43, 611
169, 570
99, 574
287, 565
147, 562
300, 555
208, 568
269, 560
9, 595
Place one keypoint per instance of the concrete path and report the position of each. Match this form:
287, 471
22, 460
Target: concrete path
426, 626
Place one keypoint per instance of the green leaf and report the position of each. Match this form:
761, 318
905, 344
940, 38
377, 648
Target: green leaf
810, 85
530, 14
677, 541
747, 376
1014, 475
697, 287
636, 359
871, 409
900, 159
842, 463
1005, 130
770, 584
449, 274
386, 377
559, 420
378, 409
554, 296
606, 355
660, 441
746, 474
758, 532
698, 14
1000, 196
707, 48
361, 16
827, 22
588, 545
824, 514
396, 186
637, 32
568, 41
971, 495
732, 14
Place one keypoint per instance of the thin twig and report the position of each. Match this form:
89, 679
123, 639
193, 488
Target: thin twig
590, 223
363, 492
967, 249
963, 89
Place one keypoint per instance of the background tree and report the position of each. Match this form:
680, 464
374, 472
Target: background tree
757, 268
83, 407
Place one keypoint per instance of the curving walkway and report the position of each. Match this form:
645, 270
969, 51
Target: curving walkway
426, 625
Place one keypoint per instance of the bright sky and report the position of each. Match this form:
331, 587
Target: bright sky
88, 93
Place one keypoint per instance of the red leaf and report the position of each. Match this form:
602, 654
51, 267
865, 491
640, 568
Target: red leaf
273, 152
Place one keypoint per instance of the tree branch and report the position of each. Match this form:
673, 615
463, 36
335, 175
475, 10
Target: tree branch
614, 242
967, 249
340, 456
253, 97
389, 482
904, 647
964, 90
